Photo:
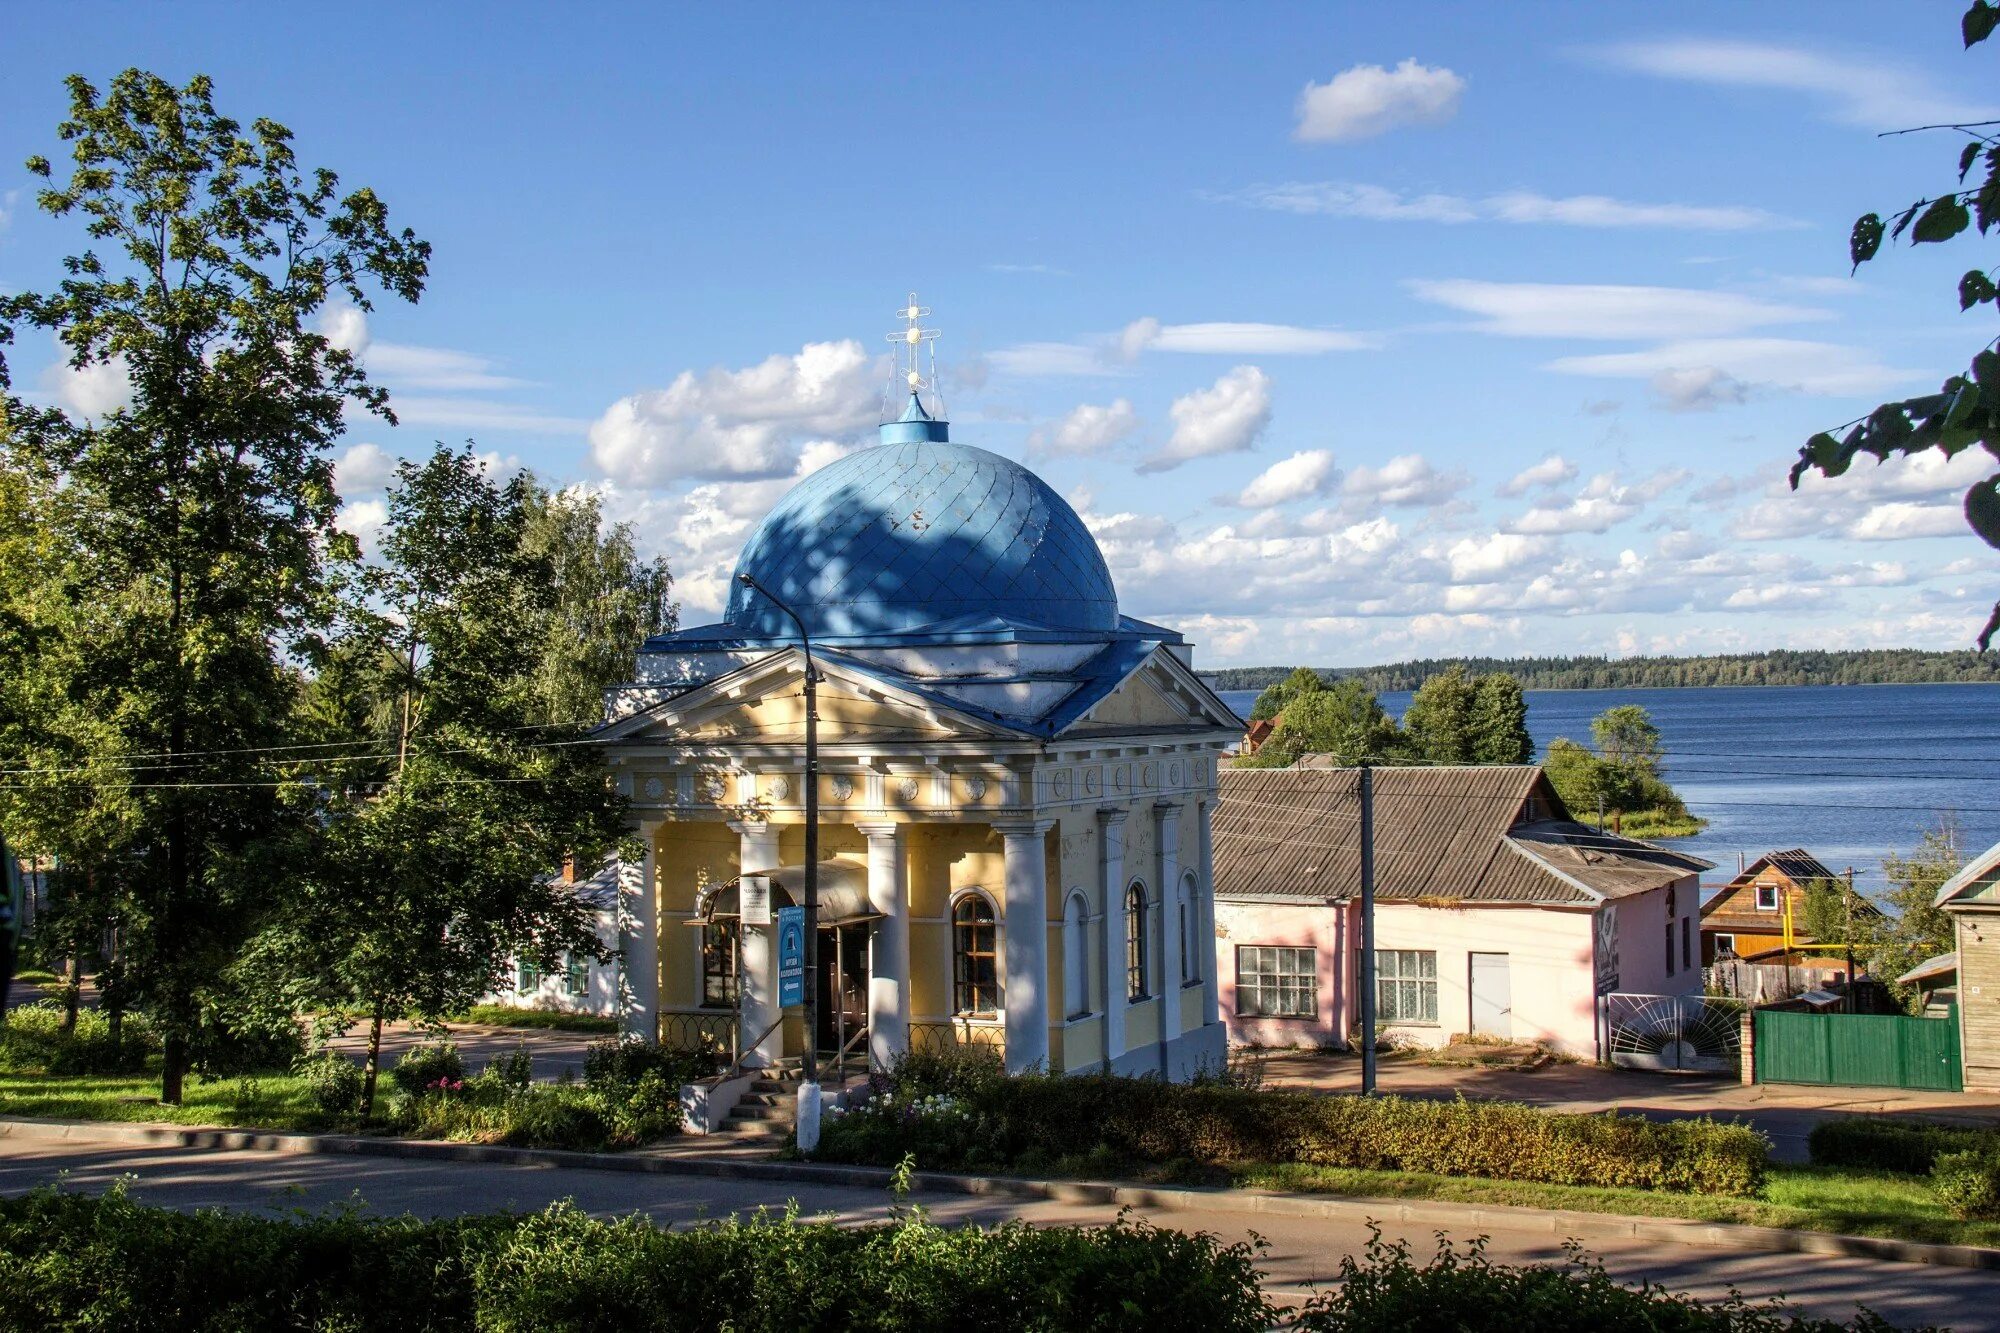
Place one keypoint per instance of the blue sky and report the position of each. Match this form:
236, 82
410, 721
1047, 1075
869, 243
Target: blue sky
1356, 332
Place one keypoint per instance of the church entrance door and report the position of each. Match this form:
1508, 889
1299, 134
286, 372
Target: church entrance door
843, 991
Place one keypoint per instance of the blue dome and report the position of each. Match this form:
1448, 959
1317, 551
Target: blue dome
909, 534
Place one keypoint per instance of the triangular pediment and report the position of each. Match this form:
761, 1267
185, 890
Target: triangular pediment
764, 704
1160, 693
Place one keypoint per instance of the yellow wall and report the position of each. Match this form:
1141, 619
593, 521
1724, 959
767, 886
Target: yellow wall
688, 856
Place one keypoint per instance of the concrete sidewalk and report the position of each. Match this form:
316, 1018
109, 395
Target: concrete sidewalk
1785, 1112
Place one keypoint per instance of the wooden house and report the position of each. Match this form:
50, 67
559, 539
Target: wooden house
1746, 917
1972, 898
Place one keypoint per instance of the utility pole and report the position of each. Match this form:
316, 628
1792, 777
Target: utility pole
810, 997
1367, 930
1847, 901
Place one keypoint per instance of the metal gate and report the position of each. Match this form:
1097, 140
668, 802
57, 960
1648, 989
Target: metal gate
1868, 1050
1690, 1032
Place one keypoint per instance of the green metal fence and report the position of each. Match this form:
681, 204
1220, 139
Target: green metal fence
1871, 1050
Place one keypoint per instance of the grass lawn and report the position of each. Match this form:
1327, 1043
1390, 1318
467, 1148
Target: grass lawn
1802, 1198
263, 1101
35, 976
510, 1016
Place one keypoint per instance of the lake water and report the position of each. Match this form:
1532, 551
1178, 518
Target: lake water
1849, 772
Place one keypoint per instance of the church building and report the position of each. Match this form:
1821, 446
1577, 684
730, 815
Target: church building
1016, 781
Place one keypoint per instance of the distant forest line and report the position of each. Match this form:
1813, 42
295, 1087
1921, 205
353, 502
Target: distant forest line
1888, 666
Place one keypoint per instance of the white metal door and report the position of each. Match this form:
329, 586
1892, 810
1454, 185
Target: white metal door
1492, 995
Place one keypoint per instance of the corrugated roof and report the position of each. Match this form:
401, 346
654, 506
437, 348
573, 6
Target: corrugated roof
1492, 833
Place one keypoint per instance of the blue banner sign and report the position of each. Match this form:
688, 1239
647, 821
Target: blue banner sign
791, 956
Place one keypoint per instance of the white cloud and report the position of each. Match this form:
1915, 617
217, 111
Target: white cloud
1034, 360
1721, 367
433, 368
1309, 472
1698, 388
1226, 418
1486, 559
364, 519
93, 391
1874, 94
745, 423
1378, 203
1087, 429
1553, 470
364, 467
1236, 339
1584, 310
1408, 479
480, 414
1905, 518
1583, 513
1366, 100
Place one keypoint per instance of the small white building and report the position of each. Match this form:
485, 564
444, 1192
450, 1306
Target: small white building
579, 985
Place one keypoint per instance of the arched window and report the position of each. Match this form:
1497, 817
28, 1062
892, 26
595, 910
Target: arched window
975, 958
719, 956
1193, 947
1076, 957
1135, 943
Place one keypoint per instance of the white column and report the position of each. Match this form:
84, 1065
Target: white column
888, 947
1168, 840
1026, 982
757, 959
1211, 958
1111, 879
639, 940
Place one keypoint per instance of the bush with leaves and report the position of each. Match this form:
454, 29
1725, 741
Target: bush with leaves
626, 1060
70, 1261
1877, 1143
333, 1085
1036, 1119
33, 1040
1968, 1182
428, 1065
1464, 1289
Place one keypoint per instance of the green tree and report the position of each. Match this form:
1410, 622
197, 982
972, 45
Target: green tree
433, 867
605, 601
1300, 681
1439, 721
1966, 411
209, 496
1912, 926
1626, 735
1344, 720
1500, 721
1576, 773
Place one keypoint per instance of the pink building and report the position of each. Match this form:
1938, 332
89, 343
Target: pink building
1496, 913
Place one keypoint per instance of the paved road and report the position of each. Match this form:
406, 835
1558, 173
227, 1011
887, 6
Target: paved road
1302, 1252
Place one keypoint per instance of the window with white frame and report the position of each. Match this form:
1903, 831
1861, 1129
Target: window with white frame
1767, 897
1406, 986
1276, 981
975, 958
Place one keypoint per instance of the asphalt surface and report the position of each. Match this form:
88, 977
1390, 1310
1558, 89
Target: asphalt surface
1301, 1253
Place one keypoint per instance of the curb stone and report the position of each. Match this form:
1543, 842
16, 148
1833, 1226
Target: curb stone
1253, 1202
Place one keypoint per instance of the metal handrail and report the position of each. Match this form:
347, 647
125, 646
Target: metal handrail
840, 1056
736, 1065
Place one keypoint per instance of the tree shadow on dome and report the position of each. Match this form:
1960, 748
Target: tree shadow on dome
849, 564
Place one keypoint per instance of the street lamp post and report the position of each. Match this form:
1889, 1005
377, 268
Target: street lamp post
811, 987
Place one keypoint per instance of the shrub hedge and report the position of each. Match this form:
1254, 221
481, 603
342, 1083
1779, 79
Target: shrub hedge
1031, 1120
1464, 1290
73, 1261
1909, 1146
32, 1041
68, 1261
1968, 1183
